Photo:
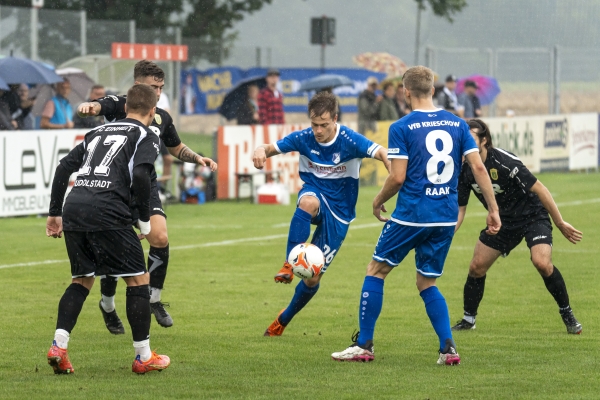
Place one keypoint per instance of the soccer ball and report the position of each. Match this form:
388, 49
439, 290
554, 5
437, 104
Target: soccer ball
306, 260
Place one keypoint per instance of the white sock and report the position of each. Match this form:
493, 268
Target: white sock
470, 319
108, 303
61, 337
154, 295
142, 349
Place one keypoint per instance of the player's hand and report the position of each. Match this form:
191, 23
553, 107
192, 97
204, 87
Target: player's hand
259, 158
141, 237
54, 227
210, 163
377, 210
493, 223
87, 109
568, 231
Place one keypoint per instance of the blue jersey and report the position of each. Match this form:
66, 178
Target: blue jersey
332, 168
434, 143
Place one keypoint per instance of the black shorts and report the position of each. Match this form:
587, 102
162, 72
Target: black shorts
156, 207
535, 230
115, 253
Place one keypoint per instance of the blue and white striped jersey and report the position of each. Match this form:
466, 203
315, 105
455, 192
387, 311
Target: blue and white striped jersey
331, 167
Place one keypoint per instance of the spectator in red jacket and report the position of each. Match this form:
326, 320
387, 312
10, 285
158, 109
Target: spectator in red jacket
270, 101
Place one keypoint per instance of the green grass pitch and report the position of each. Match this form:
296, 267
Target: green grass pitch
223, 258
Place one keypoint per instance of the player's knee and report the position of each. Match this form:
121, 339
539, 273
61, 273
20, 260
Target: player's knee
477, 270
159, 239
543, 265
309, 204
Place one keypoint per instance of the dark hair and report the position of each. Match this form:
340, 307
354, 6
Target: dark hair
419, 80
141, 99
146, 68
483, 132
387, 85
321, 103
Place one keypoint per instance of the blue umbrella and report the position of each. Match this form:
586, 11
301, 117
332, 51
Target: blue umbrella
236, 97
325, 81
15, 70
3, 85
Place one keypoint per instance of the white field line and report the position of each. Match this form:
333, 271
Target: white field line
281, 236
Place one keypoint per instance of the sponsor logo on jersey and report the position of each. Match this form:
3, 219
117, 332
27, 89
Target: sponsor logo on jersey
95, 183
437, 191
336, 158
494, 174
326, 169
394, 151
538, 238
495, 186
432, 115
555, 133
157, 147
158, 119
155, 130
315, 152
115, 98
514, 172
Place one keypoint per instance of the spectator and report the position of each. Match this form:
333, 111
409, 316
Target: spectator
400, 102
387, 107
368, 108
188, 95
247, 114
270, 101
57, 113
97, 92
447, 98
470, 101
6, 122
19, 106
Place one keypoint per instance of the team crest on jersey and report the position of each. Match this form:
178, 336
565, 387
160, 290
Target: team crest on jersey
494, 174
336, 158
158, 119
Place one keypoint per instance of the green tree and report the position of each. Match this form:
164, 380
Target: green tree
442, 8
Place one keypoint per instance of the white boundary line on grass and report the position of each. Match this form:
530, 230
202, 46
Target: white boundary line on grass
271, 237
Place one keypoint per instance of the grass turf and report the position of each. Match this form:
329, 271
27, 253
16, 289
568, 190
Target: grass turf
223, 257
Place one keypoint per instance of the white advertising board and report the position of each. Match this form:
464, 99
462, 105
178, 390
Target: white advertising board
584, 141
27, 165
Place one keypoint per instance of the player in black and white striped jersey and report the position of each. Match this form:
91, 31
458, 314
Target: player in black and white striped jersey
525, 206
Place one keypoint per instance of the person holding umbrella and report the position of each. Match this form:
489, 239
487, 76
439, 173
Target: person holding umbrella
270, 100
470, 101
58, 113
247, 113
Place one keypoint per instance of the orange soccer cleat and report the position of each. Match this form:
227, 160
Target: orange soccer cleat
285, 274
275, 329
156, 362
59, 360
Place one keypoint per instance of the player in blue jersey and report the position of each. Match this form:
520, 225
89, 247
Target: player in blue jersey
330, 159
426, 149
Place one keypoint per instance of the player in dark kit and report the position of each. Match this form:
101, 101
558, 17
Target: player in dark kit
113, 109
524, 204
113, 160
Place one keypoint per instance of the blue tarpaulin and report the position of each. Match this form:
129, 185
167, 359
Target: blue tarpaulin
202, 92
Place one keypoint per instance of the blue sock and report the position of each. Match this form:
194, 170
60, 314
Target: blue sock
299, 229
437, 311
371, 301
301, 298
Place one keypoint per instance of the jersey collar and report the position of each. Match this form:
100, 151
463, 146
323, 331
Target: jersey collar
428, 111
337, 132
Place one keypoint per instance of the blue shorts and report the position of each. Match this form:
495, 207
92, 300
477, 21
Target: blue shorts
330, 232
431, 246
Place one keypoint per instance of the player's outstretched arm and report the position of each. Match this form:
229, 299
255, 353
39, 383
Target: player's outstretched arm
381, 155
185, 154
392, 185
483, 180
261, 153
88, 109
568, 231
57, 196
462, 210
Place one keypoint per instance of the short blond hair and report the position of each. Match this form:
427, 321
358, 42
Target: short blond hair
419, 80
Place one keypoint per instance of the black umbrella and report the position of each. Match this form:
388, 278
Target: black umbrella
325, 81
236, 97
15, 70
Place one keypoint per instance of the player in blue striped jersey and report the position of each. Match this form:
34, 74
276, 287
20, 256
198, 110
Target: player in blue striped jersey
330, 159
426, 149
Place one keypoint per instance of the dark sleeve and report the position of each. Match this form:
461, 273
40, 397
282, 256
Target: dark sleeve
140, 185
147, 150
170, 135
464, 189
522, 176
59, 188
72, 161
476, 103
112, 107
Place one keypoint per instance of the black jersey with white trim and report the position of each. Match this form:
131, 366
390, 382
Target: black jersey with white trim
101, 195
511, 182
113, 109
